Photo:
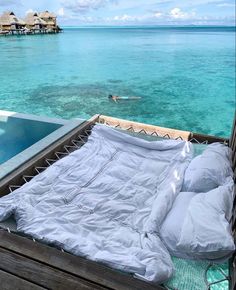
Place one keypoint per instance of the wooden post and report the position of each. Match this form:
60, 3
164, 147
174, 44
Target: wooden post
232, 144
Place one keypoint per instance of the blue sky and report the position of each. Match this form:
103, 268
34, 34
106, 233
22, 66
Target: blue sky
130, 12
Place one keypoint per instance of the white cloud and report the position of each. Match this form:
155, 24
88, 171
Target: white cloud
130, 11
199, 2
124, 17
177, 13
10, 2
83, 6
226, 5
173, 16
29, 11
158, 14
61, 12
128, 18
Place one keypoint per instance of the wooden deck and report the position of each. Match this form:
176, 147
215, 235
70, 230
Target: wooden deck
28, 264
29, 32
48, 268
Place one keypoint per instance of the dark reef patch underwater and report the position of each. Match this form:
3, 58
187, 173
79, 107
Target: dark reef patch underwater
156, 103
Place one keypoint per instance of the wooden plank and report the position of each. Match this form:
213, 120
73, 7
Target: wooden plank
78, 266
160, 131
210, 139
15, 178
232, 262
234, 161
11, 282
140, 127
233, 135
233, 139
232, 270
233, 145
42, 274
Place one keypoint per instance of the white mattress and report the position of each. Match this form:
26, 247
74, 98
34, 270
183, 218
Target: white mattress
106, 201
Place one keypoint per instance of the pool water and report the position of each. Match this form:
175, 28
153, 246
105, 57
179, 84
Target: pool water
185, 76
17, 134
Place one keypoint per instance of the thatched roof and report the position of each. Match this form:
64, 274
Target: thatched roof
50, 22
47, 15
9, 18
34, 19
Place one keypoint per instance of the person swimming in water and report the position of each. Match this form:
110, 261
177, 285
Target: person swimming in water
116, 98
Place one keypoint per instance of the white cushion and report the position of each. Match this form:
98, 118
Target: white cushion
206, 231
208, 170
172, 225
198, 226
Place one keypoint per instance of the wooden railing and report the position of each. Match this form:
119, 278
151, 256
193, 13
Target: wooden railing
159, 131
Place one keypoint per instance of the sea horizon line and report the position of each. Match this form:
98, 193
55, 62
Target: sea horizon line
148, 26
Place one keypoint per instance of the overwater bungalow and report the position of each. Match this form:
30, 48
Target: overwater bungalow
44, 22
10, 23
34, 22
50, 19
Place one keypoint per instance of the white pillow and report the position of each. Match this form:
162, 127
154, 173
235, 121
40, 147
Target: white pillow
208, 170
206, 231
172, 225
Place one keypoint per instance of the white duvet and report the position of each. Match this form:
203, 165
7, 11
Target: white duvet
106, 201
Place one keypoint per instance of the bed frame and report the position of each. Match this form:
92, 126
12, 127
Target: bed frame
29, 264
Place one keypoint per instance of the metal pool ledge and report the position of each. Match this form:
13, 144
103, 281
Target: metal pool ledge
18, 160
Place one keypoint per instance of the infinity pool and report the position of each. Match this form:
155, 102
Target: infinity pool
23, 136
17, 134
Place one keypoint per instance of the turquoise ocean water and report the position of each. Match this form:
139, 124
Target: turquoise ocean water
185, 75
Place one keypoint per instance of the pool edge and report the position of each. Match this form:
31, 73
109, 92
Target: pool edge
16, 161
